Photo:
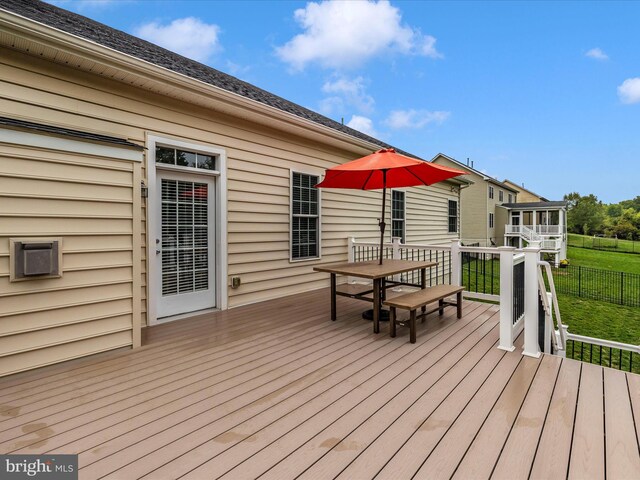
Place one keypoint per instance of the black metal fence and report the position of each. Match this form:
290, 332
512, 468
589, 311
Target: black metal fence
607, 356
597, 284
438, 274
481, 272
610, 244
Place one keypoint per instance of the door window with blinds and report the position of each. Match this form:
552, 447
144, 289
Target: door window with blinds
398, 215
305, 217
185, 236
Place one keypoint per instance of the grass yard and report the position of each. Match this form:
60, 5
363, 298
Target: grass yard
604, 320
593, 318
620, 262
603, 244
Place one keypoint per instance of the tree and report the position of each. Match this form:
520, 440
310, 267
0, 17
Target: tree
585, 214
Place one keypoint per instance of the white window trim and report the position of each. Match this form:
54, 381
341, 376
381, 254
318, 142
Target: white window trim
152, 214
404, 220
491, 192
318, 174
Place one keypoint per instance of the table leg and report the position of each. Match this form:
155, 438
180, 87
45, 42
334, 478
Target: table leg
333, 296
377, 304
423, 285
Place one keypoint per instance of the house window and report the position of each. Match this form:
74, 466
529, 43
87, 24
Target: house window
185, 158
453, 216
500, 196
491, 220
490, 192
510, 197
398, 214
305, 218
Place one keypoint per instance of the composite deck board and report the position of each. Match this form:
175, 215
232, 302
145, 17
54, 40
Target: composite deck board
484, 451
418, 398
250, 457
554, 448
396, 421
322, 394
199, 377
443, 459
165, 379
519, 450
587, 447
633, 381
278, 390
622, 457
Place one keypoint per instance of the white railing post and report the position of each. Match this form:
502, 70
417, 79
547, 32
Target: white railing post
531, 258
351, 244
506, 298
396, 255
396, 247
456, 263
351, 257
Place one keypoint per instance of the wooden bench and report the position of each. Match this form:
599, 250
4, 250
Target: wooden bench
414, 300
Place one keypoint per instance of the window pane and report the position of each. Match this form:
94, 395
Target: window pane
165, 155
185, 159
206, 162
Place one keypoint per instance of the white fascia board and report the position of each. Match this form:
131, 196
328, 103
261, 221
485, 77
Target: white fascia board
42, 140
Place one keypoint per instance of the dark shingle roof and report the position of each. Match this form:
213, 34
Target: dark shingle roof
535, 204
123, 42
94, 137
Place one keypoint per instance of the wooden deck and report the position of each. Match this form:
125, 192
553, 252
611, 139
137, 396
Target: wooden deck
276, 390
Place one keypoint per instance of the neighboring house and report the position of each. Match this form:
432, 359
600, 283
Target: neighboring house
525, 195
138, 186
478, 203
543, 222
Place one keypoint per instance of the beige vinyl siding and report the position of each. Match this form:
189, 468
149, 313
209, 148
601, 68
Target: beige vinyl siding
501, 219
474, 207
259, 161
90, 202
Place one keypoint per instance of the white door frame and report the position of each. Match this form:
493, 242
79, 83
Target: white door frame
153, 208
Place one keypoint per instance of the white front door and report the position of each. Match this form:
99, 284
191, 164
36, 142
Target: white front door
185, 243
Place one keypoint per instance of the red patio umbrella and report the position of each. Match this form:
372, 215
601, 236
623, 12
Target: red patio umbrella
386, 169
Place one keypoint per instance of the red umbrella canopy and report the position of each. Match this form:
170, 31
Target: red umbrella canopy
367, 173
386, 169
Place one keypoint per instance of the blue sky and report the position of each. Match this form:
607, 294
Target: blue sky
545, 93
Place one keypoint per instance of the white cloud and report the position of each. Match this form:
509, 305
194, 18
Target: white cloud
346, 92
629, 91
362, 124
343, 34
399, 119
597, 53
188, 36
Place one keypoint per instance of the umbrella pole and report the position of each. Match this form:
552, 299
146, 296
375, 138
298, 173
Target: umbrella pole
381, 223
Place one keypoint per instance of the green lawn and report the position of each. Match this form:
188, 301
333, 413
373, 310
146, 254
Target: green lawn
608, 321
620, 262
605, 244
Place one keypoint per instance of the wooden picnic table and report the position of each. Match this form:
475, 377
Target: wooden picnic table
371, 270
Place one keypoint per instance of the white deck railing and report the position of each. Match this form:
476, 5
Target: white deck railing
537, 229
521, 286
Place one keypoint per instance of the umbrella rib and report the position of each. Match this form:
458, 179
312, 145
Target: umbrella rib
421, 180
367, 179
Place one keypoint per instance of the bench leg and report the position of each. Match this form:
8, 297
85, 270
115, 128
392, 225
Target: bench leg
392, 322
459, 304
333, 296
412, 327
440, 306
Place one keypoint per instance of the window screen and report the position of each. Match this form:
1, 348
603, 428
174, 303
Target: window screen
304, 217
398, 214
453, 216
